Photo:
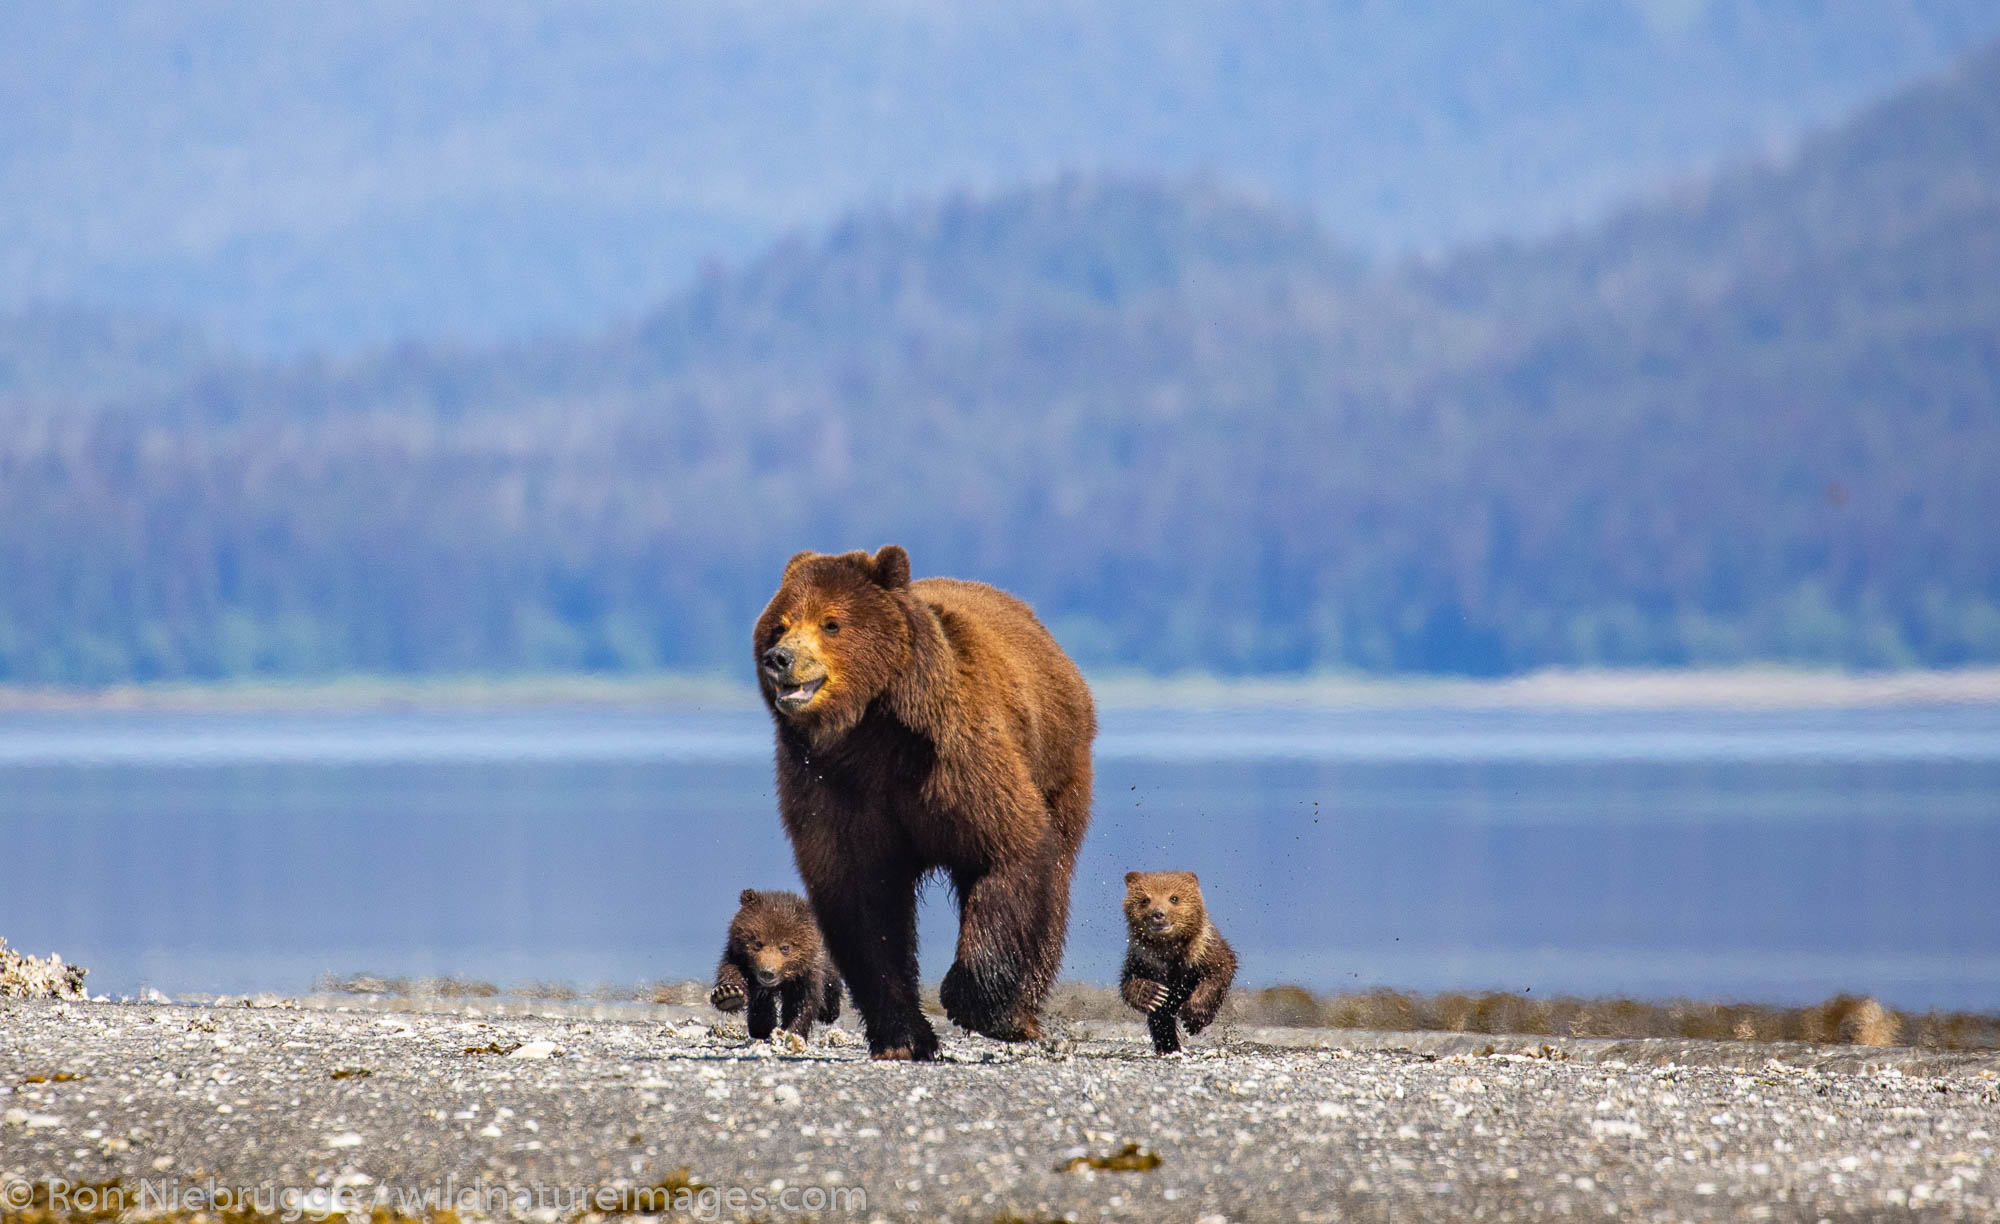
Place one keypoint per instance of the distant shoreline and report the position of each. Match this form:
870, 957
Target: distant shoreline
1748, 688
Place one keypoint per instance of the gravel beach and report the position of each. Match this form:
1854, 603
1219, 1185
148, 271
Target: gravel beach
548, 1112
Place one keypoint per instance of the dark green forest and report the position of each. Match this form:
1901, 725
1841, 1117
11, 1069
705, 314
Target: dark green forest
1758, 419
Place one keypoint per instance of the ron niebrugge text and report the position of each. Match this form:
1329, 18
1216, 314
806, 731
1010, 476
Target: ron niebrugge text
361, 1196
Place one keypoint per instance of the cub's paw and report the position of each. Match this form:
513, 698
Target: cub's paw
1194, 1021
1145, 995
727, 997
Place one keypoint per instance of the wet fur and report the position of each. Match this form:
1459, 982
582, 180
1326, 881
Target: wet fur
1181, 973
951, 735
807, 986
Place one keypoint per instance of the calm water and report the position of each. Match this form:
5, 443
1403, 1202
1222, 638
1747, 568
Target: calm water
1776, 856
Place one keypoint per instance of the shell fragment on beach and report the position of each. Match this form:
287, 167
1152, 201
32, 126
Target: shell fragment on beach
29, 977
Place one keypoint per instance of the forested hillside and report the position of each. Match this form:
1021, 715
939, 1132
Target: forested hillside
1757, 420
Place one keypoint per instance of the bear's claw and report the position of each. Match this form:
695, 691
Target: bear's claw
1145, 995
726, 998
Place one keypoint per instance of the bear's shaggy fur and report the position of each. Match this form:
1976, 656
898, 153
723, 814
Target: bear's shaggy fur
776, 965
1177, 965
927, 726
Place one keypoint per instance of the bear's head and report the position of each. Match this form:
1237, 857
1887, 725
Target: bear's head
1164, 904
773, 937
834, 636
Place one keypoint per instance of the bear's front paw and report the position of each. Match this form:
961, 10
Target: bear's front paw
727, 997
980, 1006
922, 1046
1145, 995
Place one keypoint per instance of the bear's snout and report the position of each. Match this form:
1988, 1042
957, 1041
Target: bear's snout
767, 977
794, 672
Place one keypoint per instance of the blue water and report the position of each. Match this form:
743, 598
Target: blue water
1776, 856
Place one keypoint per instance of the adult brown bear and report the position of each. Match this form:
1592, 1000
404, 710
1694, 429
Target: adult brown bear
927, 726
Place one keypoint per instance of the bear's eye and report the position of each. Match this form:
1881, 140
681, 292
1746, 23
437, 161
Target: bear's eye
831, 626
756, 945
784, 949
1175, 900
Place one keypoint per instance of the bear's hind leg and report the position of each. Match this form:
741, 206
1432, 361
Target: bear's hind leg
1206, 999
1069, 816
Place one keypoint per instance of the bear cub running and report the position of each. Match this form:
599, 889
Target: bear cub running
1177, 966
777, 966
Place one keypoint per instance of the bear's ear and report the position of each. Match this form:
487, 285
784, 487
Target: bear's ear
892, 567
1192, 878
1131, 878
798, 559
749, 897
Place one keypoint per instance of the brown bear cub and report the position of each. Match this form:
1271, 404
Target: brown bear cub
776, 965
1177, 966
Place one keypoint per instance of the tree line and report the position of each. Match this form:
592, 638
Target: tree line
1757, 420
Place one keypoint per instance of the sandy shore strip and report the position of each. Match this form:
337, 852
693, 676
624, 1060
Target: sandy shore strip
553, 1113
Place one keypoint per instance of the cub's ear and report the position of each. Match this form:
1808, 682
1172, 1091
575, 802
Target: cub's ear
1193, 878
749, 896
1131, 878
798, 559
892, 567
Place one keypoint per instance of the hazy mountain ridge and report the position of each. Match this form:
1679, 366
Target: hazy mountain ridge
55, 355
327, 175
1754, 422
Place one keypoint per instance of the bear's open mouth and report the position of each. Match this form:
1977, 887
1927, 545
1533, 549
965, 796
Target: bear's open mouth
800, 695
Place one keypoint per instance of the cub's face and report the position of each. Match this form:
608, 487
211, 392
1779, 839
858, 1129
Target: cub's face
834, 635
773, 942
773, 956
1160, 902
